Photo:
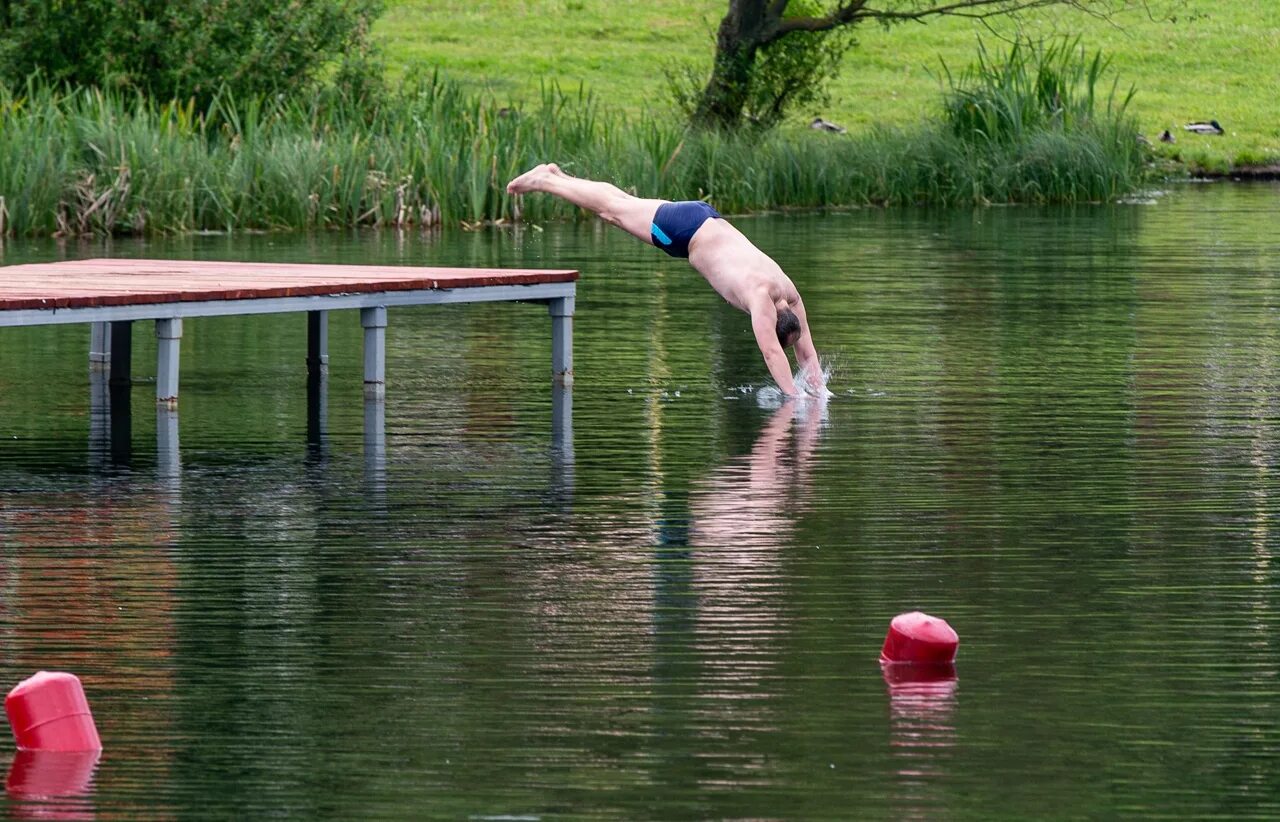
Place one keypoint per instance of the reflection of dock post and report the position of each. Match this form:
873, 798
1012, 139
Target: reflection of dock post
317, 408
562, 421
375, 441
561, 309
121, 422
168, 464
99, 414
562, 438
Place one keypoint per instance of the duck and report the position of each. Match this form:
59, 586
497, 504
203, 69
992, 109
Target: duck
1166, 136
826, 125
1210, 127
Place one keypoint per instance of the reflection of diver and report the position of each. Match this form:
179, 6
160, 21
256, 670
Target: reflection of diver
716, 587
721, 578
745, 504
742, 519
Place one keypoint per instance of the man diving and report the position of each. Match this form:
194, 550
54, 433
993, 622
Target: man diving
741, 273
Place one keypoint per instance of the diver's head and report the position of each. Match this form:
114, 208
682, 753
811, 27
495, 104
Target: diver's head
788, 326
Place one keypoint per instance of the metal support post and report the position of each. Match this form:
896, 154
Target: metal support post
121, 351
375, 442
374, 321
99, 415
561, 310
562, 421
168, 461
121, 424
168, 337
99, 346
317, 342
317, 408
562, 462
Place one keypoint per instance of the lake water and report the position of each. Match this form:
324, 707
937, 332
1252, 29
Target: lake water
1058, 429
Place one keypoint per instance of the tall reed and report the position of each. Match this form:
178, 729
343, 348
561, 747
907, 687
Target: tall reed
1036, 85
93, 161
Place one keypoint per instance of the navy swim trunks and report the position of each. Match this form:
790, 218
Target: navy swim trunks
675, 224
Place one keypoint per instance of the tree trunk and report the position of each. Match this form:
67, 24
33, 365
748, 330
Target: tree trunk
753, 26
741, 32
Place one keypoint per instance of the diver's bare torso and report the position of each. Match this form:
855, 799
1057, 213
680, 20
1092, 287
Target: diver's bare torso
741, 273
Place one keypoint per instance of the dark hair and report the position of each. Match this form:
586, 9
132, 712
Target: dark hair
788, 327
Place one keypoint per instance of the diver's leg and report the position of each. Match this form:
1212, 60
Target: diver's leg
613, 205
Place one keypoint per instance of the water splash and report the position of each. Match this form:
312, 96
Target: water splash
826, 370
770, 397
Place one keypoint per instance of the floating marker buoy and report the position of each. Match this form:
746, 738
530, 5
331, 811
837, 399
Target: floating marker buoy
49, 712
919, 638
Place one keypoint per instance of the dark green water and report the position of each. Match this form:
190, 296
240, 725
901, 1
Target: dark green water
1057, 429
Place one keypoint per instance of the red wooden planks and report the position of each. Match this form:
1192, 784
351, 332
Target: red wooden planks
86, 283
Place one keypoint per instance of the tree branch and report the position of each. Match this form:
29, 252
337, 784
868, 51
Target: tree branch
844, 14
854, 10
961, 9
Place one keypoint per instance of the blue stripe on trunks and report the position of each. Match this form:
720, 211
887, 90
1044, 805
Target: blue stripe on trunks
674, 225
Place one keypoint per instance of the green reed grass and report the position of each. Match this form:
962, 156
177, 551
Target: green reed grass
93, 162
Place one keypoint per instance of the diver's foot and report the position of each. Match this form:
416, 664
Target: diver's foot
530, 179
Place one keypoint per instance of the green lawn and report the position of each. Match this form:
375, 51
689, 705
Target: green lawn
1223, 62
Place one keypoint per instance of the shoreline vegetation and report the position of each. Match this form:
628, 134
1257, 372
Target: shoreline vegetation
1191, 61
1036, 125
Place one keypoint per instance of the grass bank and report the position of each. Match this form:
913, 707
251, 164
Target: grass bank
90, 162
1218, 60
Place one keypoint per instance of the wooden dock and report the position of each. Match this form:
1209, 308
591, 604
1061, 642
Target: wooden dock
111, 294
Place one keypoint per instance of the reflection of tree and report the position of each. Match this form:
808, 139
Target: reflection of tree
88, 588
86, 566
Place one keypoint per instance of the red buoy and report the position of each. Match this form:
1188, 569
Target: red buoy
49, 712
919, 638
